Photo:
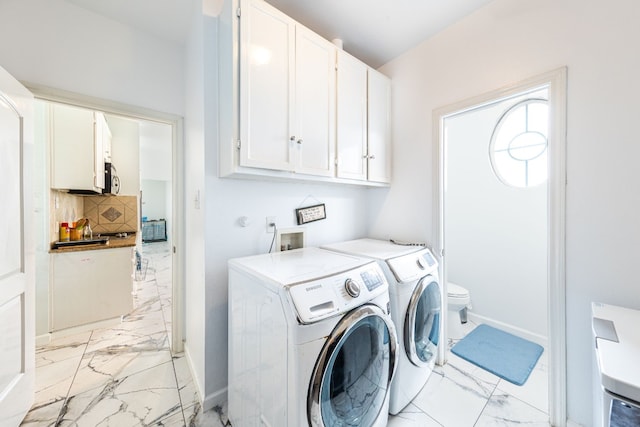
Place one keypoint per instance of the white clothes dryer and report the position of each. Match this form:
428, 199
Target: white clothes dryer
311, 341
416, 306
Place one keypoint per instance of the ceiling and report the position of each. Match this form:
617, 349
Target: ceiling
375, 31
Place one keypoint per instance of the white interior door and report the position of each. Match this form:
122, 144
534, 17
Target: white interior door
17, 283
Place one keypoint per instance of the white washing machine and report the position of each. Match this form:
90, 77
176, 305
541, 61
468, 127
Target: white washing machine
416, 305
617, 346
311, 342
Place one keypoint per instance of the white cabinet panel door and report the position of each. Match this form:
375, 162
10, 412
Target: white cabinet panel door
90, 286
352, 117
73, 149
379, 127
17, 274
266, 51
315, 104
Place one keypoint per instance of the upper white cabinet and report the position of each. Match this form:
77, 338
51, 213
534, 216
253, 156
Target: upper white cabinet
287, 87
280, 106
352, 117
266, 91
314, 114
77, 154
378, 127
364, 132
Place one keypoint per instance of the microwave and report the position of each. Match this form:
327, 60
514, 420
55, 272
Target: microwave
111, 179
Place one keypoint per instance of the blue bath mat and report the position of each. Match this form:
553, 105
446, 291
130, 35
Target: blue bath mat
501, 353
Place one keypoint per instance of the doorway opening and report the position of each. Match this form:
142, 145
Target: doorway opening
499, 170
146, 150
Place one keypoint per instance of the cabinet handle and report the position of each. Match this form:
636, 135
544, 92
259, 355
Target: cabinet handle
299, 141
293, 138
373, 156
369, 156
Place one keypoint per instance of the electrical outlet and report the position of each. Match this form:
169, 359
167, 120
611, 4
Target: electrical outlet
271, 220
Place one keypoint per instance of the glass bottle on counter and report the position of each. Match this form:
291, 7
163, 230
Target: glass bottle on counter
88, 232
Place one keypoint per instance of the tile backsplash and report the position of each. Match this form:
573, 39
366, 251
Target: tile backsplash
112, 214
64, 207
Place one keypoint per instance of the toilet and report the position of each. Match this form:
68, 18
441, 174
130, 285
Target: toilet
458, 300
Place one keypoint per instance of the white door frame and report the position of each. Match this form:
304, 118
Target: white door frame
556, 82
177, 228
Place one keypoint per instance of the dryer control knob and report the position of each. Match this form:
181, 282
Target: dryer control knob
352, 288
421, 263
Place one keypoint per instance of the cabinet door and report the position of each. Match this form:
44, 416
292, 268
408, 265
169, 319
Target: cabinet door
72, 148
379, 128
315, 104
89, 286
102, 144
266, 86
351, 117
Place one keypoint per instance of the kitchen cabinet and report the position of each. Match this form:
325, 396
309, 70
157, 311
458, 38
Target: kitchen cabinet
77, 149
103, 139
90, 286
287, 89
363, 122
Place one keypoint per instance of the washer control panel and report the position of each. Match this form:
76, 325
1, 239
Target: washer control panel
407, 268
333, 295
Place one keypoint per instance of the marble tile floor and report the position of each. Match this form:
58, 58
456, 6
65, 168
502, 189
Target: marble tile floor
460, 394
127, 376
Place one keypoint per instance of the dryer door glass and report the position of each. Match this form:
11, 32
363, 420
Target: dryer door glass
422, 323
354, 371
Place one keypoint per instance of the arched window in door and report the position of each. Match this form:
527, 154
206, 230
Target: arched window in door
518, 148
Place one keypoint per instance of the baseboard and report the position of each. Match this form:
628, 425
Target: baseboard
522, 333
196, 380
42, 340
62, 333
219, 398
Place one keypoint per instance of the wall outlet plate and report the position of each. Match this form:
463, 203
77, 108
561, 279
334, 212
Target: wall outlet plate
270, 220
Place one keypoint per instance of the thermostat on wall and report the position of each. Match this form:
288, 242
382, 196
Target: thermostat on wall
310, 214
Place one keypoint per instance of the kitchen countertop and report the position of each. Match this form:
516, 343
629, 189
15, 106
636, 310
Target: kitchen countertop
114, 242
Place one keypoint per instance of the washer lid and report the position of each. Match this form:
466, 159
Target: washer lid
281, 269
407, 263
373, 248
617, 361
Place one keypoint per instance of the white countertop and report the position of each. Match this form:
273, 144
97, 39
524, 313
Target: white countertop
618, 362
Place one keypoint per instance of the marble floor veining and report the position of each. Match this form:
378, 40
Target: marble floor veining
460, 394
127, 376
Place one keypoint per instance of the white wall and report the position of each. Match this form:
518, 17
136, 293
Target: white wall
194, 305
60, 45
496, 235
155, 151
154, 198
499, 45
